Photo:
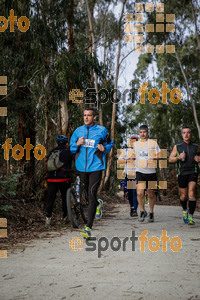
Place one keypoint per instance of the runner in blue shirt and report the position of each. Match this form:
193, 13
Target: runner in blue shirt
90, 142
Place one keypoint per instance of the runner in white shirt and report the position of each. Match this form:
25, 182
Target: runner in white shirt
146, 153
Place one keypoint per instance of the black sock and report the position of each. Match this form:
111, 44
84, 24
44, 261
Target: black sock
184, 204
192, 206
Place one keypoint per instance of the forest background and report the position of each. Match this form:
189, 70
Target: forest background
79, 45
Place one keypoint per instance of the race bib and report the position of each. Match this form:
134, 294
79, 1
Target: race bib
89, 143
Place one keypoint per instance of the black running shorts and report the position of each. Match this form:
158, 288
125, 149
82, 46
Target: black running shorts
183, 180
147, 178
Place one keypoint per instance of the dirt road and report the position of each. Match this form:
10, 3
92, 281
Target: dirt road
49, 269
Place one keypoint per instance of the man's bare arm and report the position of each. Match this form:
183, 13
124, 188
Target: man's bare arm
173, 156
197, 156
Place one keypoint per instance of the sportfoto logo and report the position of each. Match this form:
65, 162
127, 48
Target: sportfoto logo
139, 27
153, 244
18, 150
23, 22
74, 94
90, 95
164, 91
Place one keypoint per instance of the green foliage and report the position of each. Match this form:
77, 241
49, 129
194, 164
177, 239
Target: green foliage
8, 187
166, 120
5, 210
42, 71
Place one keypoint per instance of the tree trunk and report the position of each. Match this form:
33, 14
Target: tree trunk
90, 41
95, 74
7, 161
44, 98
195, 23
26, 129
104, 61
70, 21
111, 154
63, 117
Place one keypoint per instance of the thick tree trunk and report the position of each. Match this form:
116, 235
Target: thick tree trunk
195, 23
104, 61
90, 41
64, 115
95, 74
111, 154
26, 129
44, 98
70, 21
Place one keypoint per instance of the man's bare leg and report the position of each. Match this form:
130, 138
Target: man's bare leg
183, 202
140, 198
151, 197
192, 201
141, 201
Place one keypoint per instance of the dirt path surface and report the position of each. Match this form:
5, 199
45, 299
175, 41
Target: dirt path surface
49, 269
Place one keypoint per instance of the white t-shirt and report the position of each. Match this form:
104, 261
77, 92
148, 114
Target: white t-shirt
145, 151
139, 157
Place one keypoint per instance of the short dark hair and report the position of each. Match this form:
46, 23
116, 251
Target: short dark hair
144, 127
184, 127
94, 112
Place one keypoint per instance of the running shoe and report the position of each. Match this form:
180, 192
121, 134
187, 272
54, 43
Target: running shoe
86, 232
133, 212
151, 217
143, 214
99, 210
185, 216
191, 221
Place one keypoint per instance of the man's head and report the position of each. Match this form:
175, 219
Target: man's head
143, 132
89, 116
186, 133
61, 140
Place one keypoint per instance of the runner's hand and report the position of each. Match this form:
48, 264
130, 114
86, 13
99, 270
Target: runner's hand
101, 147
182, 156
197, 158
80, 141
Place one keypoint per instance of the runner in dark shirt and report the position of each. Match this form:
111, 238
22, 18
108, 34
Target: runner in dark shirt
187, 156
59, 179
